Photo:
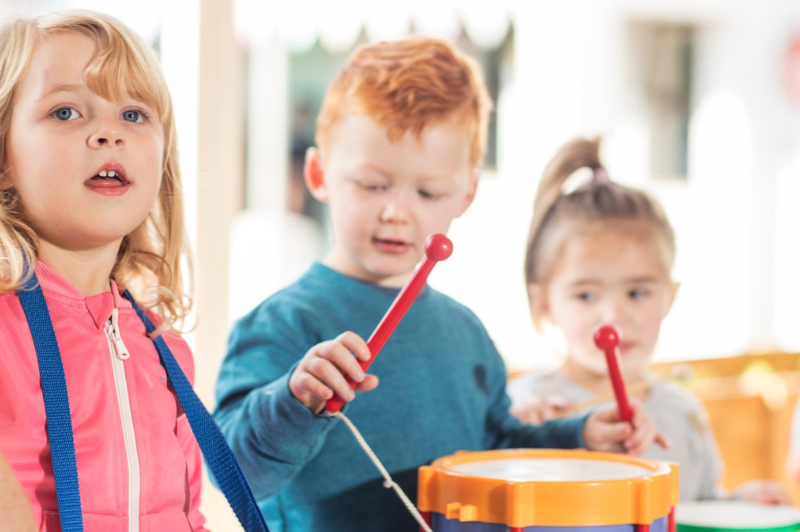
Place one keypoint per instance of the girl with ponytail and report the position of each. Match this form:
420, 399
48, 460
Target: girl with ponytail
603, 254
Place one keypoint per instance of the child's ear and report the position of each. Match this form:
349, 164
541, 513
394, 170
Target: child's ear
673, 290
538, 303
315, 175
472, 189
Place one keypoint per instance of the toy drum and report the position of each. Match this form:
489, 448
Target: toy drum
735, 516
544, 490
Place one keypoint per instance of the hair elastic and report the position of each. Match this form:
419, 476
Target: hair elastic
600, 176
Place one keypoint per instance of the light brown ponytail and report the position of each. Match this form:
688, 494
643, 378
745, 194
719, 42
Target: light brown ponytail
599, 200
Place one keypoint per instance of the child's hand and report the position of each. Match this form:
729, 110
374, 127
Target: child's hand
605, 432
540, 409
323, 371
762, 491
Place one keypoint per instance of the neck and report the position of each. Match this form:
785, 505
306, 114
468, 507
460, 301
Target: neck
88, 270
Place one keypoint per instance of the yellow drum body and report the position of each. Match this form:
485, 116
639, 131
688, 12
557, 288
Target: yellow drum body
541, 490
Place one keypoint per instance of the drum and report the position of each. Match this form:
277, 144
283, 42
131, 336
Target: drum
545, 490
735, 516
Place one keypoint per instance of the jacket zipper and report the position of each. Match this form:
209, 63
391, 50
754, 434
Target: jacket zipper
119, 353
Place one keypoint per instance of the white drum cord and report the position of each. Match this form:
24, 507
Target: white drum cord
388, 482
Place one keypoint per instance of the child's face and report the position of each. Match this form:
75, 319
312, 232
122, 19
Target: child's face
62, 136
385, 198
611, 275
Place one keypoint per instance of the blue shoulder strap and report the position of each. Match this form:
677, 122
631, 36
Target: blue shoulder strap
223, 464
212, 443
56, 405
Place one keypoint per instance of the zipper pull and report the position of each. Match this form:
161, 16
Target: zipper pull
122, 351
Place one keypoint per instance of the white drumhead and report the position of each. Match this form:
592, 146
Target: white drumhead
550, 469
735, 515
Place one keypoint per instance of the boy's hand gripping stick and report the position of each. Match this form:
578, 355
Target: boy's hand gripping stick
437, 247
606, 338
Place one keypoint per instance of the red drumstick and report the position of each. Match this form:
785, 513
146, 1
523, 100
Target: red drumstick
437, 247
606, 338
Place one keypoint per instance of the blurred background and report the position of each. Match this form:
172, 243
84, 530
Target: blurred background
698, 101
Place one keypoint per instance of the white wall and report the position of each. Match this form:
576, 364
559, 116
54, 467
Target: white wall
570, 80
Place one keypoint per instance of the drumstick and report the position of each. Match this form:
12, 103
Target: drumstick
606, 338
437, 248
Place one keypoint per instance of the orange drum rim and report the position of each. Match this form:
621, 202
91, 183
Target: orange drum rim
637, 500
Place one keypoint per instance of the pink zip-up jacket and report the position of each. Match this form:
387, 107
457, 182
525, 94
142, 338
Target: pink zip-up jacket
139, 465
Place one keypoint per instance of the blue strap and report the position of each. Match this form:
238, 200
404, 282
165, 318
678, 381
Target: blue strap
218, 454
56, 405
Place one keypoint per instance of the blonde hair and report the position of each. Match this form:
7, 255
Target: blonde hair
150, 258
556, 214
409, 85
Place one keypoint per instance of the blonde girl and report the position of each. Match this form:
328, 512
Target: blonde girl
603, 254
91, 206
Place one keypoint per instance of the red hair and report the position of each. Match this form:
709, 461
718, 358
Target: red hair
408, 85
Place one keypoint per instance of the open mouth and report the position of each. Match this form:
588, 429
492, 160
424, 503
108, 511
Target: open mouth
108, 178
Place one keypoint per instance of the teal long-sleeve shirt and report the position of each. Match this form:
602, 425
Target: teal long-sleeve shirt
442, 389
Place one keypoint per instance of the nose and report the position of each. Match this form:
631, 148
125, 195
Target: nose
107, 133
615, 312
396, 209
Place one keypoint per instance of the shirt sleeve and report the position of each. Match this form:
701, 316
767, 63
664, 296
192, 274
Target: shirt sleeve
710, 459
271, 433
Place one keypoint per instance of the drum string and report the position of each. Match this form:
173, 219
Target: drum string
388, 482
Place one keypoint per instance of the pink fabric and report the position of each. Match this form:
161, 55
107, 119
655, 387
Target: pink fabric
170, 463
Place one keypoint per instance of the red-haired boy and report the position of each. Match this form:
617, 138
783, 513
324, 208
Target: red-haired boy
400, 138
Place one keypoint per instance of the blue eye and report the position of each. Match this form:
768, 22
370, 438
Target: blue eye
371, 187
638, 293
65, 114
134, 116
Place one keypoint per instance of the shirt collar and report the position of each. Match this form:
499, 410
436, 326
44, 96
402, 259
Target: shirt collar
98, 306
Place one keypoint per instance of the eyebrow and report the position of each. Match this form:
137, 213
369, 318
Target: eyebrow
77, 87
584, 282
64, 87
633, 280
642, 280
372, 168
431, 177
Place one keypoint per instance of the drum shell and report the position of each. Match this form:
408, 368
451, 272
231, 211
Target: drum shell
456, 501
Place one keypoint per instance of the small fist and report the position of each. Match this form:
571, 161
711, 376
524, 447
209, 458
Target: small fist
325, 368
605, 431
762, 491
